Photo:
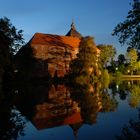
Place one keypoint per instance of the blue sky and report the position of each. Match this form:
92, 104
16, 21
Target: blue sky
96, 18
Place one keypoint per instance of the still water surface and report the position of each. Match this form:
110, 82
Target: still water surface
59, 112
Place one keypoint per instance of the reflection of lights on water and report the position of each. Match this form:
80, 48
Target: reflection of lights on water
16, 91
15, 70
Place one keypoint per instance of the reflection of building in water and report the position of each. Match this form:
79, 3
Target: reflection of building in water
57, 106
75, 128
59, 110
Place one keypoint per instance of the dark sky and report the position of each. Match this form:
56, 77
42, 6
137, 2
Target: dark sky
92, 17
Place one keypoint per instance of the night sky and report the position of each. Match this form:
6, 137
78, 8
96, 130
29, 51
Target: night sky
96, 18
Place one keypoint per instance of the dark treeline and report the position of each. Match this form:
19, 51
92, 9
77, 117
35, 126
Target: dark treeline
11, 40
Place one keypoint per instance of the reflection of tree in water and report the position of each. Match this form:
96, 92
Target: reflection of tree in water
131, 131
91, 100
32, 97
89, 108
108, 103
121, 88
24, 96
134, 97
30, 94
130, 89
11, 123
87, 103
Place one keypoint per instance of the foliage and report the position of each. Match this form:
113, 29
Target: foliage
134, 98
138, 67
121, 59
131, 131
88, 101
122, 69
129, 30
89, 108
107, 53
108, 104
10, 40
5, 61
132, 56
87, 53
14, 36
12, 123
85, 64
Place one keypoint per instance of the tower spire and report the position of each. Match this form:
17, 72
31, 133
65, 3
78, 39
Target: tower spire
72, 32
72, 25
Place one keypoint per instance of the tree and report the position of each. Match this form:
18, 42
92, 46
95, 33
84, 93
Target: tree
134, 97
121, 63
10, 41
88, 101
4, 55
86, 61
121, 59
107, 53
131, 131
132, 56
12, 123
138, 67
13, 36
129, 30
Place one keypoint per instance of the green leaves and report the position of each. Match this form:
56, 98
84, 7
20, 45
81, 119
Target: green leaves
10, 41
107, 53
129, 30
132, 56
14, 37
85, 64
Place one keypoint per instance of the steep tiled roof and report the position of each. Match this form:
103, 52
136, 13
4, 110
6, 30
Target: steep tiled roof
73, 32
55, 40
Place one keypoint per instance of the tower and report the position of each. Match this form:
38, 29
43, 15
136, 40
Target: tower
73, 32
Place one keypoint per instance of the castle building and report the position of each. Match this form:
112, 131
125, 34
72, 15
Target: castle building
48, 53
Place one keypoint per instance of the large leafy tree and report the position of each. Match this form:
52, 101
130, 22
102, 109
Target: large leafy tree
4, 55
10, 41
132, 57
84, 67
86, 58
129, 30
121, 63
107, 54
131, 131
121, 59
14, 37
